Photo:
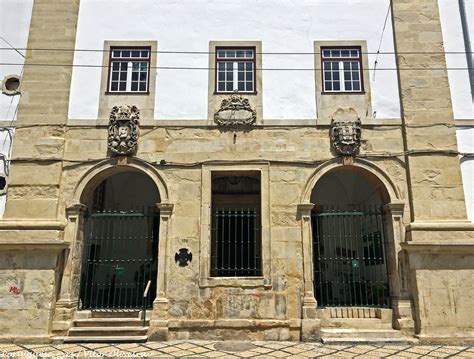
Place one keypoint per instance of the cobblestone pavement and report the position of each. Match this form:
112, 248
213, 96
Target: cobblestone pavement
232, 349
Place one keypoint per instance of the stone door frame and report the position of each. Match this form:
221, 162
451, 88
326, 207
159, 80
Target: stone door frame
67, 303
401, 302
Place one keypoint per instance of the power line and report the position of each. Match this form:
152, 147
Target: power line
381, 38
213, 68
213, 52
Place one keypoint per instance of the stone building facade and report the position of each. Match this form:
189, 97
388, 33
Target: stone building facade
353, 221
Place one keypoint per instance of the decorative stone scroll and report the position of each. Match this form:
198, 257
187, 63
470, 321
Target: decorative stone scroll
235, 111
123, 129
345, 136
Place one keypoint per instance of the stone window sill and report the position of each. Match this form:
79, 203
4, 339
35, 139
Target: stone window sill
237, 282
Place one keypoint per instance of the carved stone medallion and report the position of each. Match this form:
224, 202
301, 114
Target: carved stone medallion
345, 136
123, 129
235, 111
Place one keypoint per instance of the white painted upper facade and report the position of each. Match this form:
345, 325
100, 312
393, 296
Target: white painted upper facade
189, 25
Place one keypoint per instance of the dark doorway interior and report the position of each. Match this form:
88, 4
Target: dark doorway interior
121, 244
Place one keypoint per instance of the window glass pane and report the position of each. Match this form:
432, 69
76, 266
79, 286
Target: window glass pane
221, 86
355, 65
249, 66
355, 75
249, 76
249, 53
134, 76
326, 65
144, 54
230, 53
328, 86
348, 85
134, 86
335, 65
116, 53
142, 86
356, 86
336, 53
230, 76
240, 66
347, 75
115, 75
123, 76
221, 76
336, 86
241, 86
229, 86
241, 76
135, 53
347, 65
123, 66
354, 53
143, 66
143, 76
220, 53
125, 53
114, 86
335, 76
229, 66
326, 53
123, 86
345, 53
115, 65
240, 53
249, 86
221, 66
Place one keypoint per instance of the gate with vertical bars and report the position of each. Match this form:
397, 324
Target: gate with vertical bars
349, 257
120, 257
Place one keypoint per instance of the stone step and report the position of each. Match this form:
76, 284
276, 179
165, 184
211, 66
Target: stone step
107, 331
109, 322
360, 333
104, 339
369, 323
116, 314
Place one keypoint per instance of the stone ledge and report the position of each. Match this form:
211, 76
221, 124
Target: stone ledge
33, 244
32, 224
238, 282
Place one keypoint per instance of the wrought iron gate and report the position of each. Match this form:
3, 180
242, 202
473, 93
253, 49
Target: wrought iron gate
120, 257
349, 257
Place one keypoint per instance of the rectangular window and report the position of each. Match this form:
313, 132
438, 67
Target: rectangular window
236, 239
342, 69
129, 70
235, 70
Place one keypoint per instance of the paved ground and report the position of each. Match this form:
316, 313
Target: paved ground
214, 349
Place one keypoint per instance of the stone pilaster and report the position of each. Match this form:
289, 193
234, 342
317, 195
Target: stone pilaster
434, 175
39, 136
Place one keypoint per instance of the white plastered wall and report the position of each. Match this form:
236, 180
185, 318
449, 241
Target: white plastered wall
15, 17
189, 25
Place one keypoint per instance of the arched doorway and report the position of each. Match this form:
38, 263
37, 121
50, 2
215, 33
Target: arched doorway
121, 234
350, 240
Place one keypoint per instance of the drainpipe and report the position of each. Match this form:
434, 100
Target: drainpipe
467, 44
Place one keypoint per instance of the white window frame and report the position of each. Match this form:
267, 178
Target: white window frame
341, 60
235, 63
130, 61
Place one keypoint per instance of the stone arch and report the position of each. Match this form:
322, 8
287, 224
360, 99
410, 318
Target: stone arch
371, 170
109, 167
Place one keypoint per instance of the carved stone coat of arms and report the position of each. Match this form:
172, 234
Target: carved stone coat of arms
123, 129
235, 111
345, 136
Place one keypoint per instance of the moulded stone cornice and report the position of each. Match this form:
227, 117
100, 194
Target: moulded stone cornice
51, 245
32, 224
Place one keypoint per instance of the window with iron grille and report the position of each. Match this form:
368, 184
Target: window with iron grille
129, 70
236, 239
235, 70
342, 69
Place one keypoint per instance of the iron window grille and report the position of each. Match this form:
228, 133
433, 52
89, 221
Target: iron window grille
235, 248
235, 70
342, 69
129, 70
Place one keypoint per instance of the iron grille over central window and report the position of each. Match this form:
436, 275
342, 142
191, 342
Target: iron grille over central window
235, 69
341, 69
129, 69
235, 246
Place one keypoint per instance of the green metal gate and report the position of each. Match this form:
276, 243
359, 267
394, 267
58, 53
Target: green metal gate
120, 258
349, 256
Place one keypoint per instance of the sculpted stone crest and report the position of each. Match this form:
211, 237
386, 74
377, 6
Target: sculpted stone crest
235, 111
345, 136
123, 129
